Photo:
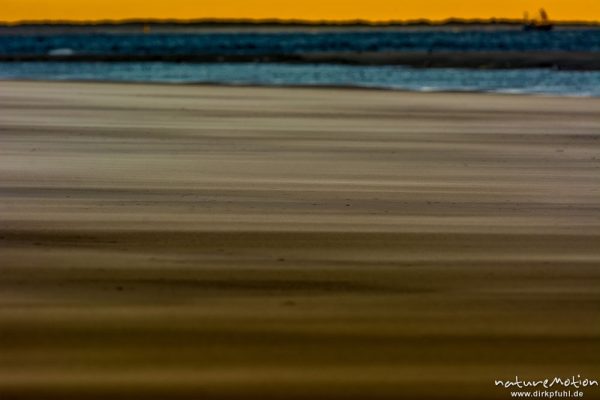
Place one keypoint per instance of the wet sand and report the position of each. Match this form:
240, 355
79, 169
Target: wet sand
196, 242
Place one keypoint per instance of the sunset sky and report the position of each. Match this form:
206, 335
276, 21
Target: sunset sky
15, 10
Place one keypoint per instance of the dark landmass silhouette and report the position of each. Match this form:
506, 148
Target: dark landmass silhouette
210, 22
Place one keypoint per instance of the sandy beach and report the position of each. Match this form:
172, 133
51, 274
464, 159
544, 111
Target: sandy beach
206, 242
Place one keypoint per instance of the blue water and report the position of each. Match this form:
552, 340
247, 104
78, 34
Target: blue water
545, 81
533, 81
303, 42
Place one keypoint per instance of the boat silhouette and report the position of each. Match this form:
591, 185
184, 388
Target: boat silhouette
541, 23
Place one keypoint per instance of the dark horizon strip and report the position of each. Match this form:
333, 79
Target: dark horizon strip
288, 22
561, 60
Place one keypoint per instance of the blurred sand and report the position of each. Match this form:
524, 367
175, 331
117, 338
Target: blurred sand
169, 242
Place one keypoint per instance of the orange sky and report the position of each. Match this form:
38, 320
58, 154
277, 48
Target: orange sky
15, 10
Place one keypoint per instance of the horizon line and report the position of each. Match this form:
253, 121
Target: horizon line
289, 22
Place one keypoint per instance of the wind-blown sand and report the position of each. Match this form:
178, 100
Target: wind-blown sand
218, 243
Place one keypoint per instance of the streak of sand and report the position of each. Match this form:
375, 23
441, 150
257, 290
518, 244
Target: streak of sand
221, 242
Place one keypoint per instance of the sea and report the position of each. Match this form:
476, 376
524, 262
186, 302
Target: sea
137, 57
